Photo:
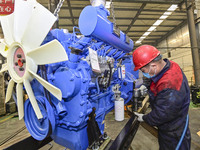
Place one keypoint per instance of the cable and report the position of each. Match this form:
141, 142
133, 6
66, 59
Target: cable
183, 134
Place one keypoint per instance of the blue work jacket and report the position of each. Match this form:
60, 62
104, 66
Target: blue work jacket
169, 99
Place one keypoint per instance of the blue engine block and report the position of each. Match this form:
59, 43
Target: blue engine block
83, 89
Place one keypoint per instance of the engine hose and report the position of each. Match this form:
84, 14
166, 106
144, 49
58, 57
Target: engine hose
183, 134
97, 84
110, 75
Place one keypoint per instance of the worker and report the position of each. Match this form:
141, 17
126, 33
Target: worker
169, 97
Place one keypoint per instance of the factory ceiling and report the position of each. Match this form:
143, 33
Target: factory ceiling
133, 17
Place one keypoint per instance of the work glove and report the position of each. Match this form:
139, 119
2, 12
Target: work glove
140, 119
143, 90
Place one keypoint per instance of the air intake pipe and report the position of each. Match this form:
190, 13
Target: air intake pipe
93, 22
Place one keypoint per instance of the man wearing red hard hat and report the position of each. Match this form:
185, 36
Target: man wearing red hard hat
169, 98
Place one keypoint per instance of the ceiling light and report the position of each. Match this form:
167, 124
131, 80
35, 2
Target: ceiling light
142, 37
163, 17
167, 13
151, 28
158, 22
172, 8
146, 33
137, 42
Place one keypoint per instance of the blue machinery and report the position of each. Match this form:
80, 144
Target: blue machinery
96, 74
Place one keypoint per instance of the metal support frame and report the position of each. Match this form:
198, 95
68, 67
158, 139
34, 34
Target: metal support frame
136, 17
193, 40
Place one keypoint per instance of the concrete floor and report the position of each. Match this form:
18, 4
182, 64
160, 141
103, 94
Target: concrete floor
142, 141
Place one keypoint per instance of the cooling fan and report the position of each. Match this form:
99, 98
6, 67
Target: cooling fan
24, 31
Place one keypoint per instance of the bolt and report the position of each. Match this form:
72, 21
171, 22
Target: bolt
82, 92
21, 69
72, 78
81, 114
23, 61
125, 83
79, 69
77, 123
82, 103
19, 56
84, 80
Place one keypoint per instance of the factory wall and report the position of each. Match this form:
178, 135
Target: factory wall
177, 48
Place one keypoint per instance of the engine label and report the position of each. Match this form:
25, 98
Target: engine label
122, 72
94, 60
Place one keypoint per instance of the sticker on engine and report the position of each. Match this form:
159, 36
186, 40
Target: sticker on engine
94, 60
122, 72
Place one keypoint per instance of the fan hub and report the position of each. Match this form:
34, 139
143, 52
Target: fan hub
19, 62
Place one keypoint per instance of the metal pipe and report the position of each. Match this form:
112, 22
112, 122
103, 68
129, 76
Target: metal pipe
193, 41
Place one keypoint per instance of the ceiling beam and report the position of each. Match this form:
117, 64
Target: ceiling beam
128, 18
70, 11
136, 16
149, 1
150, 36
126, 9
145, 31
152, 1
168, 19
167, 26
139, 25
69, 25
184, 22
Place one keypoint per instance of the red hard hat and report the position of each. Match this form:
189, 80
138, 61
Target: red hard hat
144, 55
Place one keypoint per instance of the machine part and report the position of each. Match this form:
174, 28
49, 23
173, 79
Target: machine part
96, 18
94, 134
74, 88
117, 92
137, 99
44, 76
25, 53
42, 128
125, 137
119, 109
119, 103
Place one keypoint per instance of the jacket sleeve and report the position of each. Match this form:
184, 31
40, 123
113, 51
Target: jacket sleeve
167, 106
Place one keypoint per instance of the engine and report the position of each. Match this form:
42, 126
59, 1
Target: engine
96, 75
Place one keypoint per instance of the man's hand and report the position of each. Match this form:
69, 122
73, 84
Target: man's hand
143, 90
140, 119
